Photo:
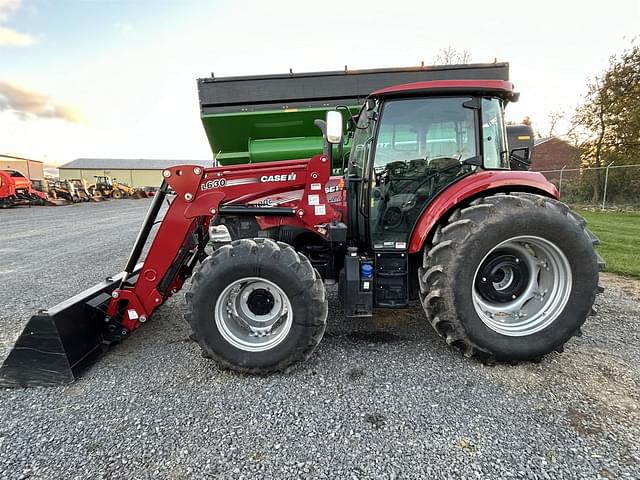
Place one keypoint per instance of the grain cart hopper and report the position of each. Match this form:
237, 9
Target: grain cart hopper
426, 209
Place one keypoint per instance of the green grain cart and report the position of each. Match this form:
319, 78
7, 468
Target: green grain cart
253, 119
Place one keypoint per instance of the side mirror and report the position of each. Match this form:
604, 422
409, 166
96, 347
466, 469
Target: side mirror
334, 127
520, 158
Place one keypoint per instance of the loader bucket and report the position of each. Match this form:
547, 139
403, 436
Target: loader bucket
139, 194
58, 344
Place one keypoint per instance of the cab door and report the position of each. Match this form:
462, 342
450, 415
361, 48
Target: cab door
422, 145
358, 179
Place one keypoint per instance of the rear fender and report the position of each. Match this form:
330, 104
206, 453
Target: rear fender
472, 186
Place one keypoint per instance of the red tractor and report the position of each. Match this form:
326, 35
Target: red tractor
425, 209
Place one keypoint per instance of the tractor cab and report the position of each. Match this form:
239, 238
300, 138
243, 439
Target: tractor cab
412, 141
103, 182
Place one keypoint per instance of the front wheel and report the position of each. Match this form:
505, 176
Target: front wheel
257, 306
510, 277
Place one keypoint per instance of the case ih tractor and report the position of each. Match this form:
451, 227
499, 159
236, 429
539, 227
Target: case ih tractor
423, 207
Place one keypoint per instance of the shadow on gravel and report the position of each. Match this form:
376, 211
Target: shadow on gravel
378, 336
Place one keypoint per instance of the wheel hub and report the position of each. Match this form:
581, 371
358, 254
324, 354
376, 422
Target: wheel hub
521, 286
253, 314
260, 301
502, 277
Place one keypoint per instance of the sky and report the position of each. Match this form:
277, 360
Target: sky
117, 78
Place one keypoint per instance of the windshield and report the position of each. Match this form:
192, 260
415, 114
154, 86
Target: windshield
427, 129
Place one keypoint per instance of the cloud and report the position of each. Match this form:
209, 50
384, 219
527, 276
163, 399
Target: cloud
8, 36
7, 7
27, 104
11, 38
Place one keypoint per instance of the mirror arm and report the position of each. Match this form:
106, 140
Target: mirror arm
326, 146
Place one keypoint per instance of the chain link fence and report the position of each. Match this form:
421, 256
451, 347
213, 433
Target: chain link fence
611, 187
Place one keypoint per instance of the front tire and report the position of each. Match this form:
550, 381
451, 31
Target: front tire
510, 277
257, 306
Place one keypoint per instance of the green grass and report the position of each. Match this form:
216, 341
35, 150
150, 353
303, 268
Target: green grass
619, 234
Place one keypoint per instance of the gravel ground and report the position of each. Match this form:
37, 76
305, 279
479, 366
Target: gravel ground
381, 399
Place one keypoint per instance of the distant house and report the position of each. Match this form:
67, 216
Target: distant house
32, 169
134, 172
553, 153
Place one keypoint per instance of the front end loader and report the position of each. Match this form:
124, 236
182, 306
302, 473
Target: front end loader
424, 207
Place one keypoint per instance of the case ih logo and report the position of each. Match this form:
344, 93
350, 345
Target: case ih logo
278, 178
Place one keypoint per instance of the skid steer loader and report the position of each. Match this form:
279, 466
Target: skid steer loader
424, 207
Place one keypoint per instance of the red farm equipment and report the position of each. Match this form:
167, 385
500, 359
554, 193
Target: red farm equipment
422, 206
16, 189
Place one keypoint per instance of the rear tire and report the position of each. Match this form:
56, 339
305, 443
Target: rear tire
510, 277
257, 306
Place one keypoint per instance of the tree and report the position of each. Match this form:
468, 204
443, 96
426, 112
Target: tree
607, 124
451, 56
555, 118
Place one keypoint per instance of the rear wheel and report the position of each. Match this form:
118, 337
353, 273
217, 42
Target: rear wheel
510, 277
257, 306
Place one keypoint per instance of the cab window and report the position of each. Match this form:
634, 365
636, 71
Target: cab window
493, 135
361, 145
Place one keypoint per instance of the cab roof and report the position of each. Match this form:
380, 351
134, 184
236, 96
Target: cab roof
500, 88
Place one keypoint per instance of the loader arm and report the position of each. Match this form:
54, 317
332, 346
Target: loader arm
201, 194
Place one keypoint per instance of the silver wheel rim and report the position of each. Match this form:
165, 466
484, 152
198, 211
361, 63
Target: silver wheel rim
250, 325
521, 286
